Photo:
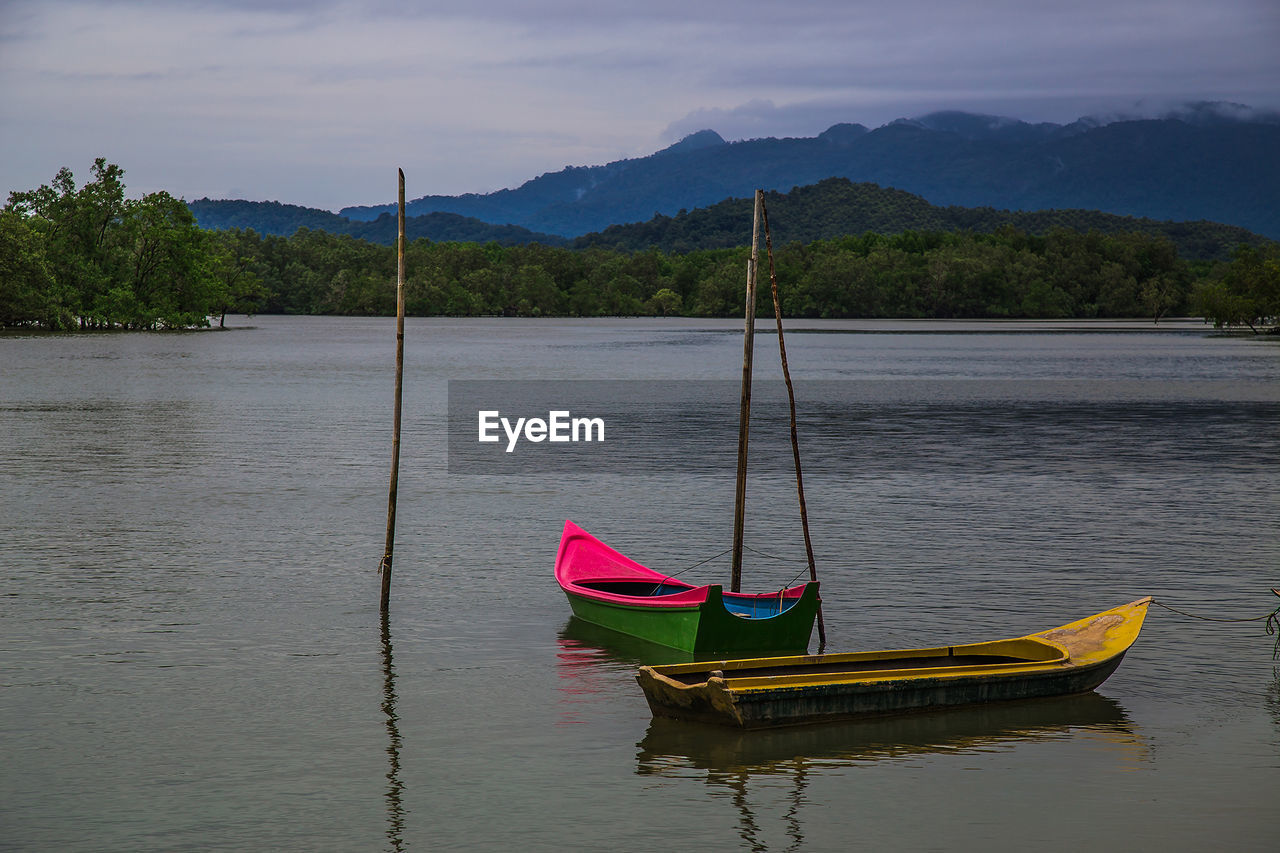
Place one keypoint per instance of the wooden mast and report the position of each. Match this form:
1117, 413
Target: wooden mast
744, 412
385, 568
791, 399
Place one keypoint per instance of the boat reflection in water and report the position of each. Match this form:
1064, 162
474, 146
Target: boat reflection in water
595, 664
598, 665
610, 647
679, 745
732, 758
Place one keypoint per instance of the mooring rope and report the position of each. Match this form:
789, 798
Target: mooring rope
779, 559
745, 548
781, 591
1272, 624
701, 562
674, 575
1273, 618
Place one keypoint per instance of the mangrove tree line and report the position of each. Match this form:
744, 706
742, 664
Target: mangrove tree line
91, 258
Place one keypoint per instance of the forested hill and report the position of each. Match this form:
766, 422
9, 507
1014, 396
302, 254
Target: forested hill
93, 258
832, 208
837, 207
272, 217
1213, 162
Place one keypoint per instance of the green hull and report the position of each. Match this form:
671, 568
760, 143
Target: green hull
707, 629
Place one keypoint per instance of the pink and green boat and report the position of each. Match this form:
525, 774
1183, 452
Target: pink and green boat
611, 590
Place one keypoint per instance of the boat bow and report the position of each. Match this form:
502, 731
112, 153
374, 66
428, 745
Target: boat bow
607, 588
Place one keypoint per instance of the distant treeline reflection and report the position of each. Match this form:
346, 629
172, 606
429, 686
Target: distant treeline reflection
89, 258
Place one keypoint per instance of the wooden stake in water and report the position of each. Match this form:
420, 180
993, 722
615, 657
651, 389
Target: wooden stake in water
744, 413
791, 398
385, 568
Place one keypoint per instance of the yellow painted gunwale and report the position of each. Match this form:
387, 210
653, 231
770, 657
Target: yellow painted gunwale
1082, 643
1055, 656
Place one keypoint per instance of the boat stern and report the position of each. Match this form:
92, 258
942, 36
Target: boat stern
708, 701
723, 632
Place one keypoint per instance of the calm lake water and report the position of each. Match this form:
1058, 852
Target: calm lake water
191, 654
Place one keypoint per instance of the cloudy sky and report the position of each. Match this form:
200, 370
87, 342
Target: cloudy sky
317, 102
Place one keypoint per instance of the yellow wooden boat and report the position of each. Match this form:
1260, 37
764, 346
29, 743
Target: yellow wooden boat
761, 692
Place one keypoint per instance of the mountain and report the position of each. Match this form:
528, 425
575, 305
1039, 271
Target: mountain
831, 208
1212, 162
272, 217
837, 207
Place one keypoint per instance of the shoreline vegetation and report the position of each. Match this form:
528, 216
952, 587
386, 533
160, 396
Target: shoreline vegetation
88, 258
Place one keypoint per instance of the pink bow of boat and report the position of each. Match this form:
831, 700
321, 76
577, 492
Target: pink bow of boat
609, 589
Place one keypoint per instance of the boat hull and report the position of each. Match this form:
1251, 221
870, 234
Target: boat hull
612, 591
789, 691
708, 628
676, 627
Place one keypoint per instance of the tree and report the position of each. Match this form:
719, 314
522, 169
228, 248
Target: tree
1246, 292
114, 262
536, 293
79, 231
170, 275
721, 290
665, 301
232, 265
26, 282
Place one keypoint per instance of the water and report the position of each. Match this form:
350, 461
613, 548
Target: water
191, 655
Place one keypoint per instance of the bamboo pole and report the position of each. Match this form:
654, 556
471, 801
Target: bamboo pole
744, 412
791, 397
385, 568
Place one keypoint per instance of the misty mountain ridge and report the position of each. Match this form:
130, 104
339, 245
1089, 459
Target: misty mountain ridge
1204, 161
977, 126
284, 220
829, 209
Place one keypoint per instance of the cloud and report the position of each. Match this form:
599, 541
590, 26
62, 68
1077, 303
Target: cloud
1040, 62
315, 101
